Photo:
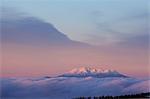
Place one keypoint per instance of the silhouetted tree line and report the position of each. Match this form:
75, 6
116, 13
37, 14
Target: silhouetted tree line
141, 95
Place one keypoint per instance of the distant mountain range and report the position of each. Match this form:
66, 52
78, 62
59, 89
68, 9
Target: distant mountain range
92, 72
75, 83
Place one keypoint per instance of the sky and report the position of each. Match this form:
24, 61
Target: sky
47, 37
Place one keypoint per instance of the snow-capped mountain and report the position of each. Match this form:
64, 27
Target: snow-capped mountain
75, 83
92, 72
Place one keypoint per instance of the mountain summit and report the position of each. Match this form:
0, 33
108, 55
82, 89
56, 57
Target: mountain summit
92, 72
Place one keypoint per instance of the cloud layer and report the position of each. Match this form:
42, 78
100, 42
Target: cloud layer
32, 31
70, 87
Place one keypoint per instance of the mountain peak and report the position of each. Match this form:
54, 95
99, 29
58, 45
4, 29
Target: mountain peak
91, 72
88, 70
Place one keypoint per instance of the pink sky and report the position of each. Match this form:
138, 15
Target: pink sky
20, 60
111, 36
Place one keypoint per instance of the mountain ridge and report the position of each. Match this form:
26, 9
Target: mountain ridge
91, 72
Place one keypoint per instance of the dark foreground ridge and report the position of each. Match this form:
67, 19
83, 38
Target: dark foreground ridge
131, 96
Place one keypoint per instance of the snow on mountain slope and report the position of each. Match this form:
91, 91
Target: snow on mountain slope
92, 72
69, 87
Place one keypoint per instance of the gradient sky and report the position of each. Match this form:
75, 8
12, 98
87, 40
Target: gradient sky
117, 31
